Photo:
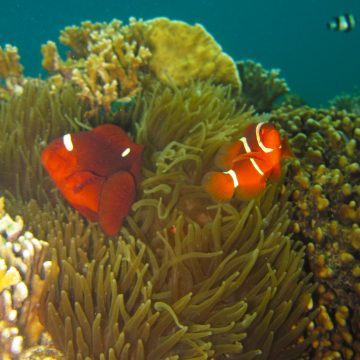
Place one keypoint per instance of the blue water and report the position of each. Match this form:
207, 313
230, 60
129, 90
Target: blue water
289, 35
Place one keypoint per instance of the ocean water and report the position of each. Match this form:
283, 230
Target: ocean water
290, 35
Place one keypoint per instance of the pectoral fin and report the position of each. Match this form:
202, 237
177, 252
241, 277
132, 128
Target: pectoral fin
116, 198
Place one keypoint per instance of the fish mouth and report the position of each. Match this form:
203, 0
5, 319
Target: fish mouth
57, 164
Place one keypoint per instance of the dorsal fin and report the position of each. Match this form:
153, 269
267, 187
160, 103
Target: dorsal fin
113, 134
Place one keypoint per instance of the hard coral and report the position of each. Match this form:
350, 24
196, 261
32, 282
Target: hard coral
182, 53
21, 284
11, 72
187, 278
103, 62
111, 63
348, 102
327, 197
260, 87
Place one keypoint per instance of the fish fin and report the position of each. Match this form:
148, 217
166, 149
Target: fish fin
87, 212
82, 190
286, 151
275, 173
227, 152
116, 198
219, 185
250, 192
112, 133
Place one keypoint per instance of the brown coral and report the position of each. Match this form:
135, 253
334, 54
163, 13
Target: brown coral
260, 87
327, 198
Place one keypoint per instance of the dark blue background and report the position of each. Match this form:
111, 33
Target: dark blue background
290, 35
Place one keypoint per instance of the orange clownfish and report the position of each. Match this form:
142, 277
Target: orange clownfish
247, 164
97, 172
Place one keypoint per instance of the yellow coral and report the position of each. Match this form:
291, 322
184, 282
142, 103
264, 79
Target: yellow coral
103, 63
11, 71
9, 62
51, 59
181, 53
8, 277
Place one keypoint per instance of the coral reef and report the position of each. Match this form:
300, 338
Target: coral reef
11, 72
292, 99
182, 53
102, 62
187, 278
111, 63
22, 272
260, 87
348, 102
327, 198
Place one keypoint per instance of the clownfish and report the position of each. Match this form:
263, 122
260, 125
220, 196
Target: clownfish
342, 23
97, 172
247, 164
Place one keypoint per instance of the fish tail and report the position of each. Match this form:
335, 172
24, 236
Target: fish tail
219, 185
250, 192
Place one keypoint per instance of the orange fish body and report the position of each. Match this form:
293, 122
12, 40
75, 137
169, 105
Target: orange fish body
247, 164
97, 172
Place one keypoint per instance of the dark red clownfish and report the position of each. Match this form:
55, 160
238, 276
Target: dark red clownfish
97, 172
247, 163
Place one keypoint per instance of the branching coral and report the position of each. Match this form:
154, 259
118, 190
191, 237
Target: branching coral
260, 87
11, 72
327, 198
111, 63
103, 63
187, 278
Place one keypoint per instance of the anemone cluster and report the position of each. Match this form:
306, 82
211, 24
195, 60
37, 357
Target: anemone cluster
186, 277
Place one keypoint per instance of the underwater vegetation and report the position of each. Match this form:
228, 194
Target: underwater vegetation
186, 276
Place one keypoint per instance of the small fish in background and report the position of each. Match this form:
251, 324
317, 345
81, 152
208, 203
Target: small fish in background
247, 164
342, 23
97, 172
